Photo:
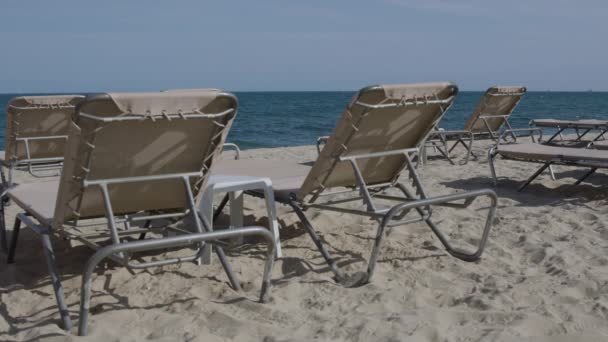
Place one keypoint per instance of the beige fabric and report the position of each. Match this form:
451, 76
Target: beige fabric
154, 145
37, 199
286, 177
378, 130
190, 90
539, 152
498, 100
37, 116
583, 124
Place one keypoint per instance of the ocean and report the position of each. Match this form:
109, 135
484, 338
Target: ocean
278, 119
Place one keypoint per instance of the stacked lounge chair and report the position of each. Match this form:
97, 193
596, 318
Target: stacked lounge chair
489, 117
372, 144
586, 126
134, 157
548, 155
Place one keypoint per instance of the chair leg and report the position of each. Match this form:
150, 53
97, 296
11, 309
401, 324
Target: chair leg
469, 150
3, 239
536, 174
551, 172
451, 250
453, 146
491, 156
585, 176
147, 224
371, 266
457, 253
50, 261
462, 255
315, 238
220, 207
234, 282
14, 238
445, 154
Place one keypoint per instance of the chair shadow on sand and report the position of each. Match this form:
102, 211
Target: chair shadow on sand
537, 194
292, 267
30, 271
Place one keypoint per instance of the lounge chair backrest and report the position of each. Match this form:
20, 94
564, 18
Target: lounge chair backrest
38, 116
188, 90
138, 135
406, 115
499, 100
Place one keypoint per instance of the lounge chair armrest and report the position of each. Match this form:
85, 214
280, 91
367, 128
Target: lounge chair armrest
49, 137
512, 132
321, 141
406, 151
235, 147
446, 201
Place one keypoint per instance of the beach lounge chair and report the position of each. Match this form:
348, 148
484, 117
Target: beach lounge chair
547, 155
36, 130
363, 158
134, 158
490, 116
586, 126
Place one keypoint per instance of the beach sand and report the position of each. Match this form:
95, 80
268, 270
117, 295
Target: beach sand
542, 277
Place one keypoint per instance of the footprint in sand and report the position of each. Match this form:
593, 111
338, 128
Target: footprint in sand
555, 266
538, 255
589, 216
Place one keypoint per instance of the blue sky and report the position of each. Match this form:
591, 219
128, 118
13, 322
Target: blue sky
111, 45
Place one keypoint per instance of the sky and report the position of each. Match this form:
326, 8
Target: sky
255, 45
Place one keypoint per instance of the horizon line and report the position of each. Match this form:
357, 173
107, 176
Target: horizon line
290, 91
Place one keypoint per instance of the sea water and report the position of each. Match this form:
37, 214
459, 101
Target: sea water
277, 119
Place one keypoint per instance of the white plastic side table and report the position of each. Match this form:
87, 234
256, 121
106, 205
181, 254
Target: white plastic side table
235, 186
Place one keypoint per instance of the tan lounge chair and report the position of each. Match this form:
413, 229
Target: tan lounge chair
486, 122
372, 143
36, 130
547, 155
134, 157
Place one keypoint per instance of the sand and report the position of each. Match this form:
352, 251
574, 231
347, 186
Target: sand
543, 276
